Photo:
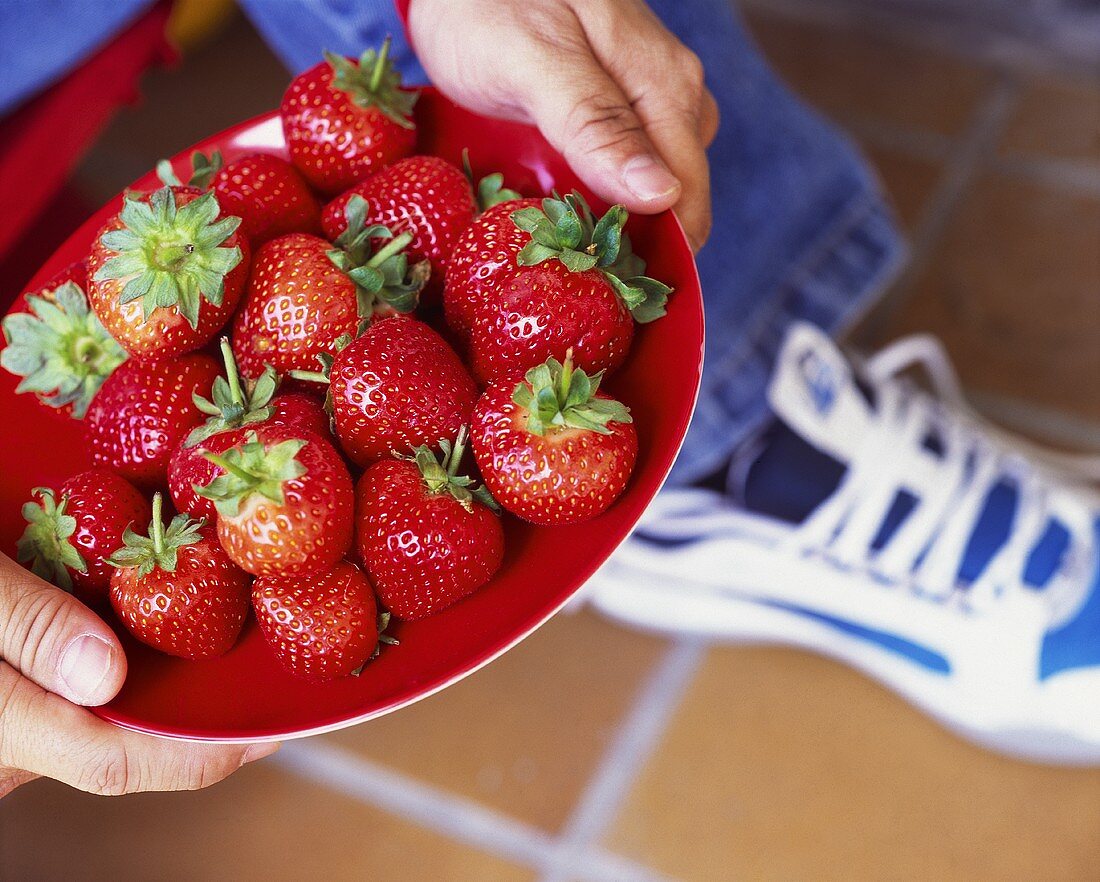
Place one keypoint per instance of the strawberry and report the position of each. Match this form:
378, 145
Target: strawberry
425, 535
425, 196
71, 534
575, 284
480, 258
142, 413
58, 346
167, 272
284, 500
553, 449
267, 193
176, 590
344, 120
321, 628
236, 405
305, 294
396, 387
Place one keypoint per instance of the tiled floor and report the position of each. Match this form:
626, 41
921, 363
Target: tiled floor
592, 752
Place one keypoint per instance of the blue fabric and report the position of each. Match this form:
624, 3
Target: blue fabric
44, 39
800, 227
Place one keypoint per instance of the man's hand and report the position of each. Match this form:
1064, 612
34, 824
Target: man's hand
55, 655
617, 94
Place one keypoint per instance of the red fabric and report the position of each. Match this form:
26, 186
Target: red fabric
42, 141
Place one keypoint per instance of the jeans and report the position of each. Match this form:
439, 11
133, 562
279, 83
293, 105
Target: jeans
801, 230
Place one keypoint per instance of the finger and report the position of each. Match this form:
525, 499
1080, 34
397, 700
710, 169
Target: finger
589, 120
10, 779
708, 118
42, 734
674, 130
56, 641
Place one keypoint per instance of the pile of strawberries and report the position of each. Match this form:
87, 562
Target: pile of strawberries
318, 471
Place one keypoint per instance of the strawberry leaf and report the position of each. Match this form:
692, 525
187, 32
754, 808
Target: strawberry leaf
559, 396
59, 349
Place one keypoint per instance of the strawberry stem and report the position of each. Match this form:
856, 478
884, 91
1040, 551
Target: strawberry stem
309, 376
380, 65
456, 452
222, 463
156, 526
567, 371
391, 248
231, 373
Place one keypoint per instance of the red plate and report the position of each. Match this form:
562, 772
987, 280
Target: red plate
246, 695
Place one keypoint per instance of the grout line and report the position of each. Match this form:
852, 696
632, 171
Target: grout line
431, 808
637, 738
363, 780
1043, 423
1078, 178
960, 171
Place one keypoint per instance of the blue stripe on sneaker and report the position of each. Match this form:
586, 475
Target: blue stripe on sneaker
1077, 643
923, 656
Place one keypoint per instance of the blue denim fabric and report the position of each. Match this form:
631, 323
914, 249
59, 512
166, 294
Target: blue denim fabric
42, 40
800, 227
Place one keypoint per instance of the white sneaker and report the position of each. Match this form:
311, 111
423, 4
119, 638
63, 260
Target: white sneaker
899, 533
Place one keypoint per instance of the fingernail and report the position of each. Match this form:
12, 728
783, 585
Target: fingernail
84, 666
648, 179
259, 751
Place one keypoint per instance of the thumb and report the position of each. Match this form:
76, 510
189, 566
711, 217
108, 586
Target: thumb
53, 639
588, 119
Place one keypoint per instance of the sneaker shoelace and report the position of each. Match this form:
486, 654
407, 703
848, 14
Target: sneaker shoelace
951, 484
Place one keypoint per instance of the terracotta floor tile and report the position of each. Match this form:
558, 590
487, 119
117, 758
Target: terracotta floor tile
524, 734
781, 765
259, 824
908, 180
1056, 118
1013, 292
854, 76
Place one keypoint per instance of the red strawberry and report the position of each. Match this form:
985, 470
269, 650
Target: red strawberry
321, 628
552, 449
344, 120
177, 591
423, 195
575, 285
426, 537
235, 407
487, 247
75, 272
71, 534
167, 272
142, 413
396, 387
284, 500
58, 346
267, 193
304, 294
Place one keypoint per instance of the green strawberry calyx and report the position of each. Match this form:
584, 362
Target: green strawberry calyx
441, 475
46, 542
383, 622
373, 81
560, 396
252, 468
565, 229
203, 170
234, 404
384, 279
60, 349
171, 257
490, 190
159, 548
